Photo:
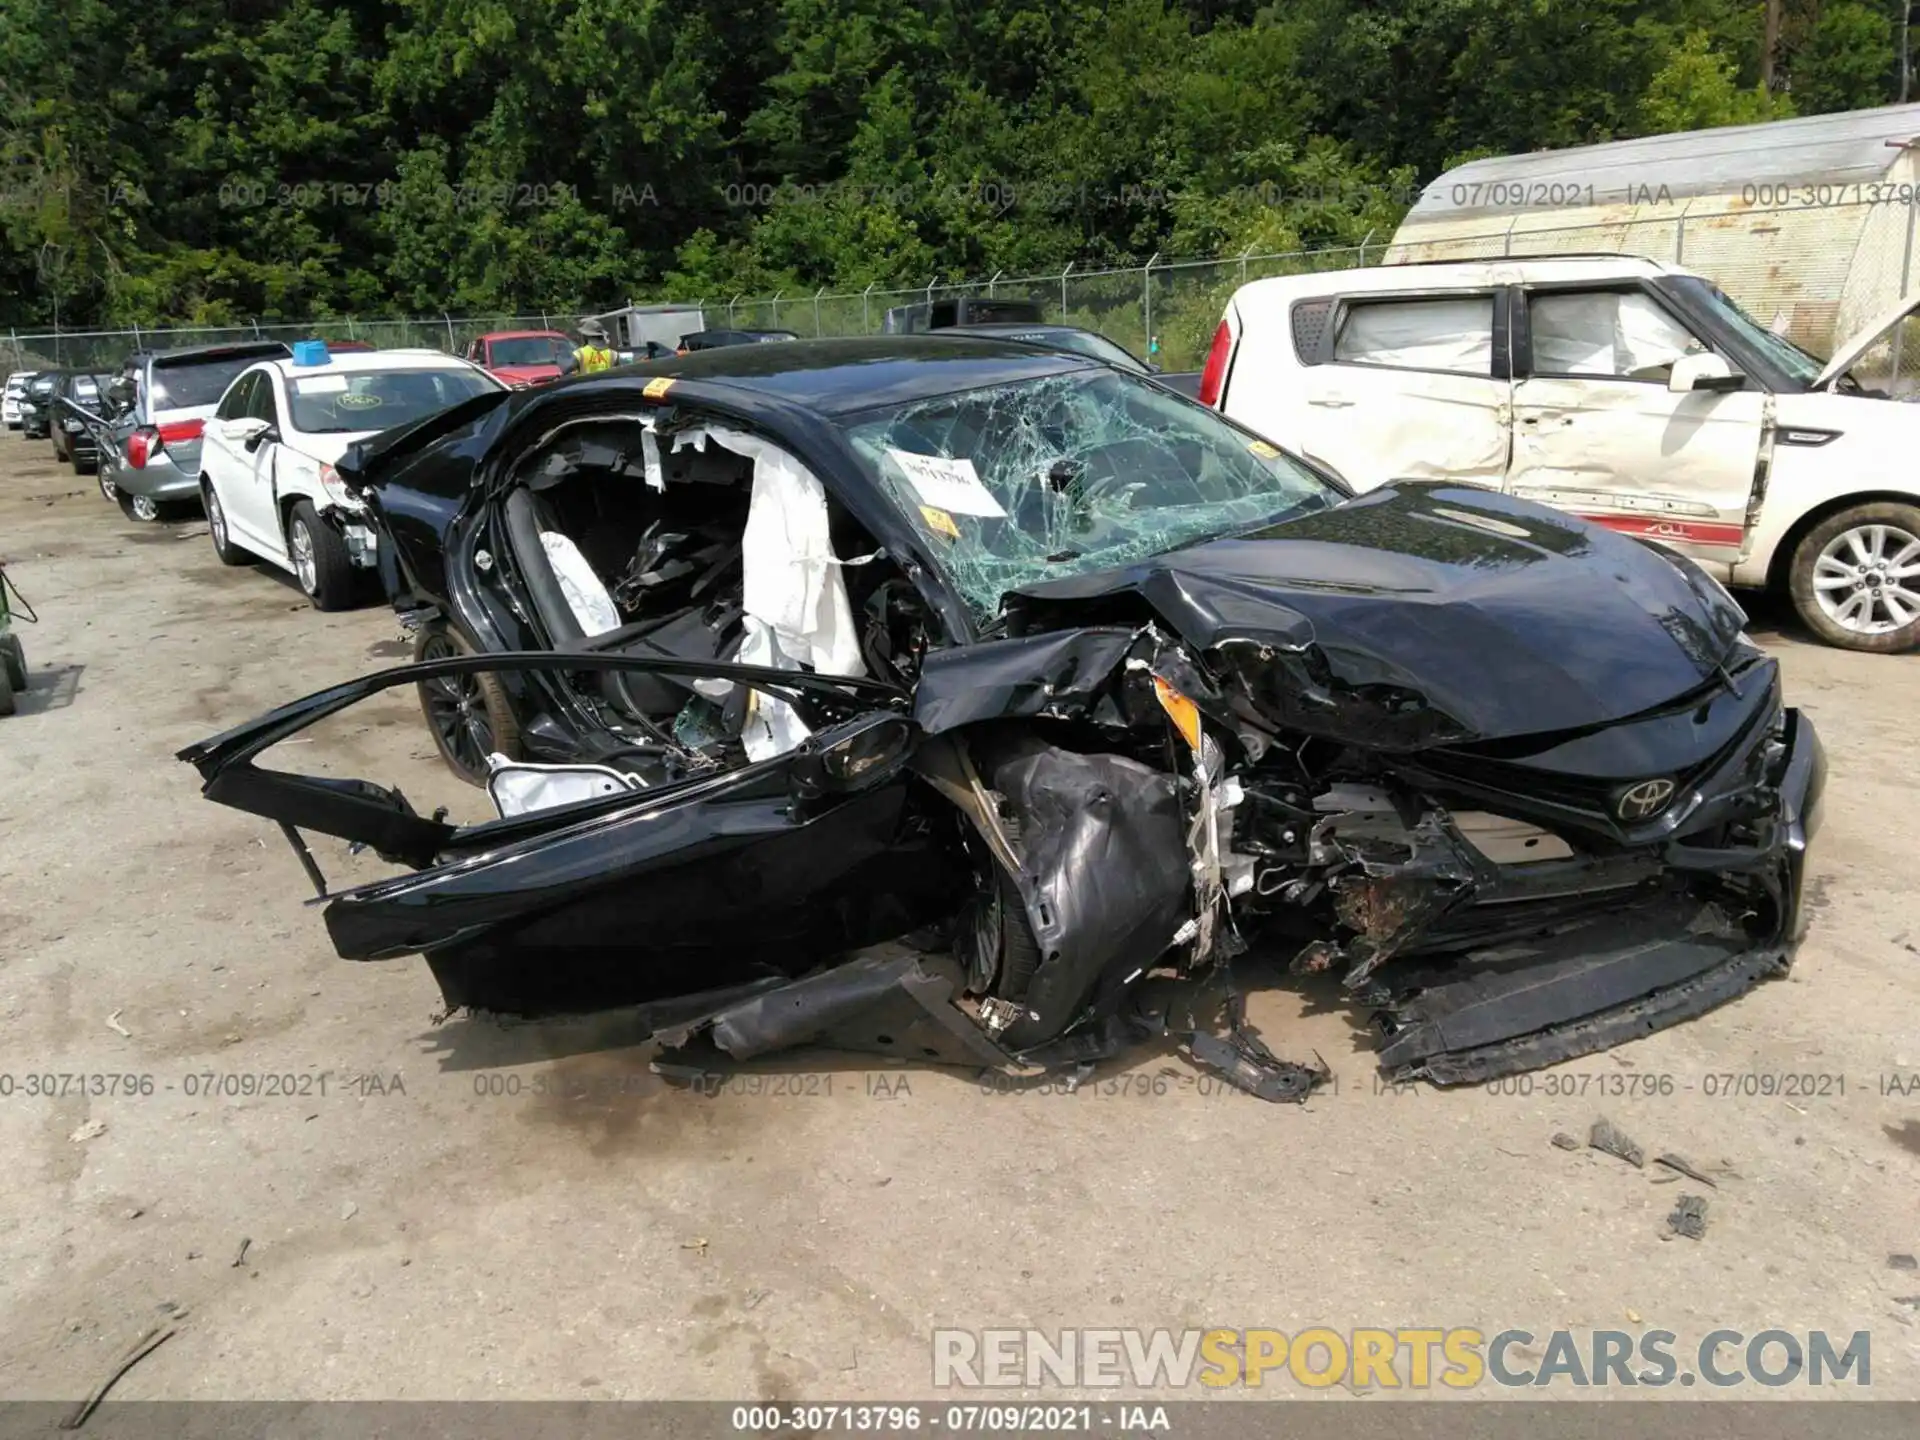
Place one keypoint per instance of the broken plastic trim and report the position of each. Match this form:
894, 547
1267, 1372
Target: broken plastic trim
381, 818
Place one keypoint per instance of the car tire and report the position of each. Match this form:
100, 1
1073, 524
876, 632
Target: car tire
996, 941
109, 491
321, 564
141, 509
6, 700
1855, 578
469, 716
223, 546
80, 466
13, 660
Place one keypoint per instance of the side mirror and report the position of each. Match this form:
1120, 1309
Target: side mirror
1705, 371
262, 436
852, 757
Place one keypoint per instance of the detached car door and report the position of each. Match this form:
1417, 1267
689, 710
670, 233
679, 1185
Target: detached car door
1406, 386
1596, 430
635, 893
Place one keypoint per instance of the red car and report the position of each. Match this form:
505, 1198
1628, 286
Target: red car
521, 357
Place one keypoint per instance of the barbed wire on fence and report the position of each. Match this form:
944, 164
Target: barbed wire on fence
1807, 280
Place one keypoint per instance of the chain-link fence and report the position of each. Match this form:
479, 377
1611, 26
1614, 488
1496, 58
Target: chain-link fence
103, 350
1812, 272
1177, 302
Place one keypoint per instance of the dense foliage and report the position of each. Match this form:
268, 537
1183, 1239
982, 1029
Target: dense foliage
207, 160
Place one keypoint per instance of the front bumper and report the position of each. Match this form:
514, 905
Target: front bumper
1614, 976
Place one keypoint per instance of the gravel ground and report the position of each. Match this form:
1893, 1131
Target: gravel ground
473, 1211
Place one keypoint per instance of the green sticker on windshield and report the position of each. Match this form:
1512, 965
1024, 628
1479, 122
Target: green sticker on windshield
358, 400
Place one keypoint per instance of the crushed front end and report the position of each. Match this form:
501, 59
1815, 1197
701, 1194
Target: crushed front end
1503, 905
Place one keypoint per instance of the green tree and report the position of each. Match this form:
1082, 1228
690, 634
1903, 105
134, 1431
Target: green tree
1848, 60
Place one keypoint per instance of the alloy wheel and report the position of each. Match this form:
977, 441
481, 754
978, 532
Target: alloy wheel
457, 709
216, 519
303, 567
145, 508
1867, 579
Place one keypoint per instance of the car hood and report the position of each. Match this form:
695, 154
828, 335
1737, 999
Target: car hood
328, 448
524, 374
1422, 614
1848, 354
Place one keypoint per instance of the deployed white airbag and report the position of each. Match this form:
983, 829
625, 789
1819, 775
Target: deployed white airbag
516, 787
586, 592
795, 598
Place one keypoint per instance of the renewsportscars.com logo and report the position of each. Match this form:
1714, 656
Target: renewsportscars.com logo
1416, 1358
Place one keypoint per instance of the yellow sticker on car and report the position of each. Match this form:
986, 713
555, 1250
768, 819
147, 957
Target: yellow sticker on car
1264, 450
658, 387
941, 521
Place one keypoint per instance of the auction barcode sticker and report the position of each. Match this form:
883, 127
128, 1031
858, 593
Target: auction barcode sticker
950, 485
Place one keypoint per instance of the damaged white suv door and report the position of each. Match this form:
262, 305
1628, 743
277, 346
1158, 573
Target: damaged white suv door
1632, 393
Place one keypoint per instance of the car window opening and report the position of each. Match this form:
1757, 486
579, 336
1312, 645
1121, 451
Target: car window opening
699, 544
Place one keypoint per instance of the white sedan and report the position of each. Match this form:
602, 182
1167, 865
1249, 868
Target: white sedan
266, 464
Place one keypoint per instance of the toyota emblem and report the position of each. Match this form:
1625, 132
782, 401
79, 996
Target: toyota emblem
1643, 801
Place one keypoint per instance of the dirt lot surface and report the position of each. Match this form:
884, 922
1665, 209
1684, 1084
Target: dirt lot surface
472, 1211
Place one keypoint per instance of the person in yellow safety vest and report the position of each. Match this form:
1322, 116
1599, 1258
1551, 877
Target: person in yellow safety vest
593, 354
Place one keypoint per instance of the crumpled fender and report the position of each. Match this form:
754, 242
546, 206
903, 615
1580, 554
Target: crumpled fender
1102, 844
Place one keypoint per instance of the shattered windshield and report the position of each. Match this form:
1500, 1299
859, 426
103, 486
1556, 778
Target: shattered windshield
1016, 484
1794, 361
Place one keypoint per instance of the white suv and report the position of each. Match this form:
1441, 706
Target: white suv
266, 462
1632, 393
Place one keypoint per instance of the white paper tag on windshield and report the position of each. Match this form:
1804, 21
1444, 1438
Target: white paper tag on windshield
951, 485
321, 385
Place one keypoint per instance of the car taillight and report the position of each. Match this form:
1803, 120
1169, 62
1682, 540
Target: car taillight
179, 431
1213, 377
140, 446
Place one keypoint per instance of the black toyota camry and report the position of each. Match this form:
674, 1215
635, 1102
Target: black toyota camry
956, 700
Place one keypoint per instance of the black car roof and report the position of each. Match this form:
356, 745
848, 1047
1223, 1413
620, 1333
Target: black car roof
838, 376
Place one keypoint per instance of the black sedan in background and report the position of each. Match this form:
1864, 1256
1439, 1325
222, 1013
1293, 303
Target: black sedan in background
699, 340
974, 703
1090, 343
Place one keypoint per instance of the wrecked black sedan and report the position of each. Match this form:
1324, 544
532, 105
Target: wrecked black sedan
964, 702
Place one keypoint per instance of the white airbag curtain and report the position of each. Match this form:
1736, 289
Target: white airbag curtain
794, 596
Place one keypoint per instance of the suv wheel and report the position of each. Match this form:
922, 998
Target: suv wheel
320, 560
1856, 578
